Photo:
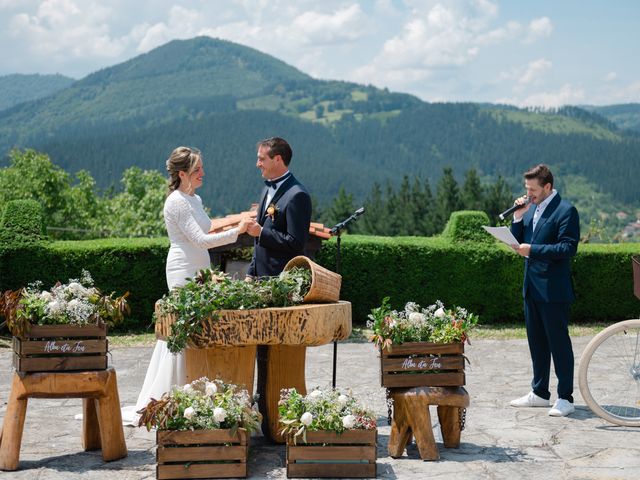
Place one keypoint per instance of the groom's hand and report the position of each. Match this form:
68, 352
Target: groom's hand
254, 229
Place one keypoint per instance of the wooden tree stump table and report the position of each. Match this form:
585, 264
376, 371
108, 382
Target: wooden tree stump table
226, 349
101, 420
411, 417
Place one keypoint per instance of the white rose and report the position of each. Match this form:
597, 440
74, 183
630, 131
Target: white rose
188, 413
187, 388
306, 419
348, 421
439, 312
46, 296
315, 394
342, 400
416, 317
210, 388
73, 303
219, 414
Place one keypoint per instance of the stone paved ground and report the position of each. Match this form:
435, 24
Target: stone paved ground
498, 442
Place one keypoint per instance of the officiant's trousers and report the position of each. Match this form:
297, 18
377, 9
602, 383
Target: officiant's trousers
548, 335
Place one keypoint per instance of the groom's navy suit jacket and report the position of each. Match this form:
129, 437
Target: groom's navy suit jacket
285, 235
547, 271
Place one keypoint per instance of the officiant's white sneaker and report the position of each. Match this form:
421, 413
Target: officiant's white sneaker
530, 400
562, 408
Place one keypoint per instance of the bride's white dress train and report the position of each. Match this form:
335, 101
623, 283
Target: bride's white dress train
187, 225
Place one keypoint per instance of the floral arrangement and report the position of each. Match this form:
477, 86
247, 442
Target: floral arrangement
417, 324
77, 302
321, 410
211, 291
202, 405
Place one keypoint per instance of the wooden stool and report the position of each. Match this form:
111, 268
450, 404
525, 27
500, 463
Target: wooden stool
101, 421
411, 417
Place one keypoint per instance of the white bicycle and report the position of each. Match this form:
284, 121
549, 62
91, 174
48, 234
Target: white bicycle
609, 371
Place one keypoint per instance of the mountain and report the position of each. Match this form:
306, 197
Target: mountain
625, 116
15, 89
223, 97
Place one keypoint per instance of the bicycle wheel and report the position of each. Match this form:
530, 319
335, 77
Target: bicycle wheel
609, 373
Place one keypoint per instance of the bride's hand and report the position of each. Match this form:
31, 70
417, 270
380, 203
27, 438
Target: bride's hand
244, 224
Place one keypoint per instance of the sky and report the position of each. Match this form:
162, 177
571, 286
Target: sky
523, 52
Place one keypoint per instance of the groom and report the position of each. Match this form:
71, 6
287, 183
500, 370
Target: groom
284, 214
280, 233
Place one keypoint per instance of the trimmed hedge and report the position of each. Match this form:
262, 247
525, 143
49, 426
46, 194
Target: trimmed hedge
485, 278
116, 265
22, 221
466, 226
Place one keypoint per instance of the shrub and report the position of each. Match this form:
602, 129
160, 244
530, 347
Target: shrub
22, 221
466, 226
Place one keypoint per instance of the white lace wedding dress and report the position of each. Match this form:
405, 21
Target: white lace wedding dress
187, 225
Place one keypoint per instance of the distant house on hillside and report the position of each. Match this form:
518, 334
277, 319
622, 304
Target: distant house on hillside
632, 231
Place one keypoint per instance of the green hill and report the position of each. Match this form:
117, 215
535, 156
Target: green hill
625, 116
223, 97
15, 89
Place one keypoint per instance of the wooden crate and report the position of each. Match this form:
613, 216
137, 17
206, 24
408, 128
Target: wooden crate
55, 348
201, 454
327, 454
422, 364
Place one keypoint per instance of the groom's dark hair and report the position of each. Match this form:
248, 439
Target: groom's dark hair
277, 146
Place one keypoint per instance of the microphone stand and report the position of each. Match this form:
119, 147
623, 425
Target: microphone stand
337, 231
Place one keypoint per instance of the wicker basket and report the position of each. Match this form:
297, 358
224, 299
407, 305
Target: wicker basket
325, 284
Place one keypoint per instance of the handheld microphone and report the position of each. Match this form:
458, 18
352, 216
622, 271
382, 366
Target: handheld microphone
350, 219
512, 209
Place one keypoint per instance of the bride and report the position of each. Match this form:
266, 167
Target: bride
187, 225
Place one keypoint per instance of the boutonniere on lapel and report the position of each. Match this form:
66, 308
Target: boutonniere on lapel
272, 211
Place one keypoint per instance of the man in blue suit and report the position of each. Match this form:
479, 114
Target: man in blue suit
548, 236
284, 214
281, 232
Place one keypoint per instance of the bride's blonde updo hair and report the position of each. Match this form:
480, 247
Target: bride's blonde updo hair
182, 159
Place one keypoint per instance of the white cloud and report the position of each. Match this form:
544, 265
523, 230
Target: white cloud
611, 77
182, 23
566, 95
63, 29
539, 28
534, 71
318, 28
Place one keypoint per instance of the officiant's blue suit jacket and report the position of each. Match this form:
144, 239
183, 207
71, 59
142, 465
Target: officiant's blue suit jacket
547, 271
285, 235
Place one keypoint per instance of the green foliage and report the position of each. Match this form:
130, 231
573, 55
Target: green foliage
211, 291
483, 278
72, 205
466, 226
22, 221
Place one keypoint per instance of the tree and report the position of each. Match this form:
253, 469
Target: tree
472, 195
137, 211
498, 197
340, 208
447, 198
374, 217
